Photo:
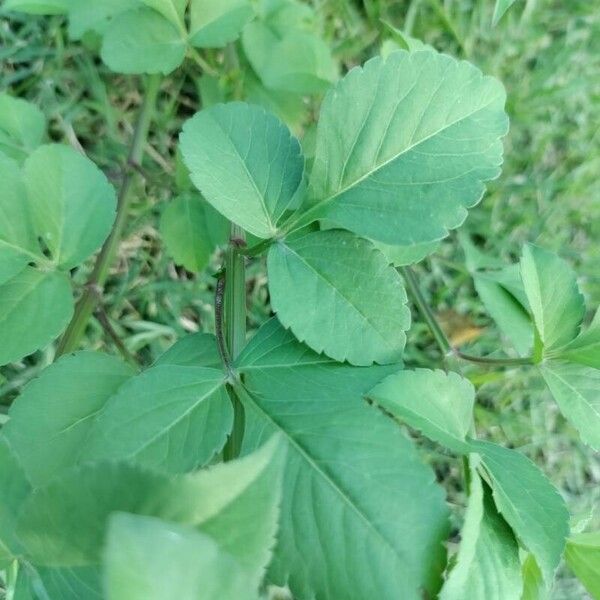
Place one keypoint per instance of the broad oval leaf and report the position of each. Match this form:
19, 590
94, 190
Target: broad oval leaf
51, 420
63, 524
576, 389
361, 515
438, 404
556, 303
488, 566
529, 503
143, 41
191, 230
22, 127
339, 294
72, 203
404, 146
170, 416
215, 24
35, 307
246, 164
149, 559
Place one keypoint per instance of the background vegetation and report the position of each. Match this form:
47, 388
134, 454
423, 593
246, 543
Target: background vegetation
546, 52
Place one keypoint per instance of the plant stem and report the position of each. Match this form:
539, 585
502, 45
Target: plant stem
93, 289
440, 337
104, 321
235, 328
426, 312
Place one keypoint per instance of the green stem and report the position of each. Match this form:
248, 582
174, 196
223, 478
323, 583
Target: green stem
235, 328
440, 337
94, 287
415, 291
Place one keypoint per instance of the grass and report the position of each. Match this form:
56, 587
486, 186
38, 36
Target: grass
547, 53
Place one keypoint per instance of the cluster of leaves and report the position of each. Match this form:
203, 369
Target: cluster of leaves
109, 486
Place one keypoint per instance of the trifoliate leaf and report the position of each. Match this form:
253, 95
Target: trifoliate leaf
339, 294
170, 416
51, 420
438, 404
405, 145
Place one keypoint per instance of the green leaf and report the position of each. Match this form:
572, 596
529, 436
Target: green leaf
18, 243
38, 7
533, 580
72, 203
499, 9
195, 350
35, 307
528, 502
173, 10
438, 404
51, 420
361, 516
143, 41
298, 61
149, 559
64, 523
556, 304
405, 145
400, 256
22, 126
78, 583
14, 489
246, 164
96, 16
509, 314
585, 348
337, 293
191, 230
215, 24
488, 566
583, 558
169, 416
576, 389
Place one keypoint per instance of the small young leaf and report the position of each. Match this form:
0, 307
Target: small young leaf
405, 145
554, 297
583, 558
338, 293
576, 389
22, 126
215, 24
143, 41
361, 515
191, 230
35, 307
72, 203
148, 559
14, 489
246, 164
50, 421
170, 416
488, 566
438, 404
528, 502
